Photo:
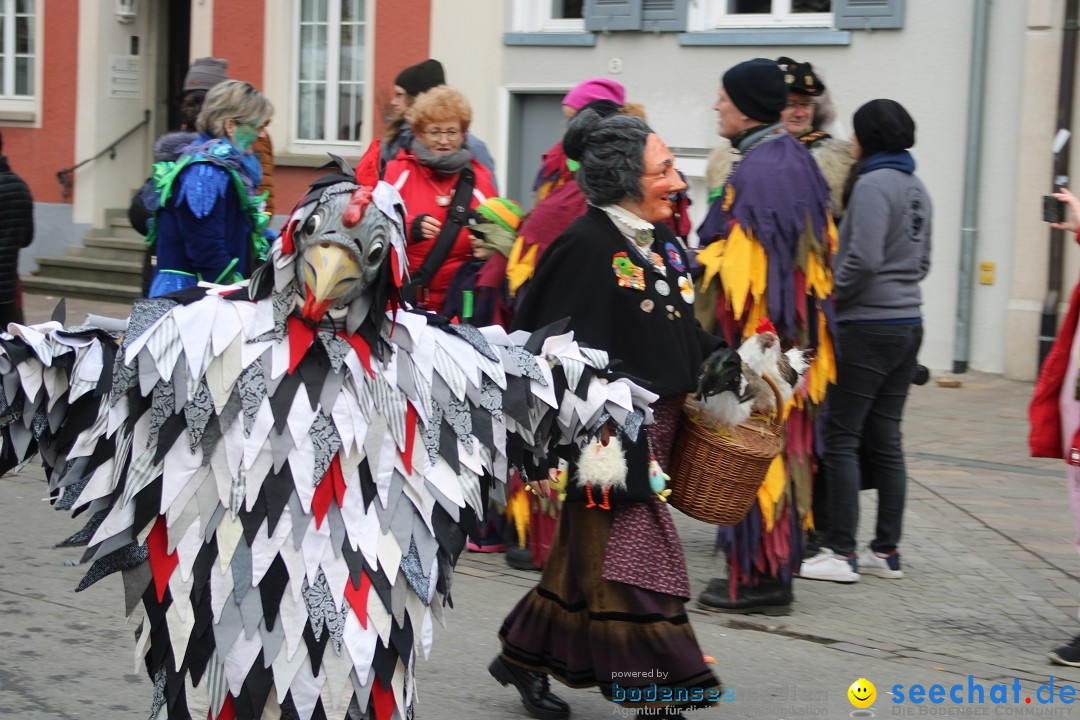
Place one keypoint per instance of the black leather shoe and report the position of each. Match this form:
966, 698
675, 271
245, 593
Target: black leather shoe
535, 691
519, 558
770, 597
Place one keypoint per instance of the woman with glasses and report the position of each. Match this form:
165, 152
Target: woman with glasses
441, 182
211, 223
609, 609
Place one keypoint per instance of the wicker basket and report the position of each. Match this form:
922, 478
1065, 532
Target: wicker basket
716, 471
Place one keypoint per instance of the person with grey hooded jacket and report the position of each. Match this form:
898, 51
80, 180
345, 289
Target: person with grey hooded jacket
884, 253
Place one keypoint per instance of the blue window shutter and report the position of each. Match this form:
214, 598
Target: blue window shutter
868, 14
605, 15
663, 15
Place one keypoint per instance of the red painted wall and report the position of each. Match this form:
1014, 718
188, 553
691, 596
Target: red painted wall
239, 36
402, 38
37, 153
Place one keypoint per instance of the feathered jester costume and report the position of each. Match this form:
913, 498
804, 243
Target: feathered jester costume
769, 240
285, 474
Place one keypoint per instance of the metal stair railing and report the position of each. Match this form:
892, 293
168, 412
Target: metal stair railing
66, 177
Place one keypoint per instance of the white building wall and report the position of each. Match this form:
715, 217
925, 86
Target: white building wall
925, 66
1036, 104
102, 119
467, 40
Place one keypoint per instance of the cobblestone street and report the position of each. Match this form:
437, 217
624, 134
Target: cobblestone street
991, 584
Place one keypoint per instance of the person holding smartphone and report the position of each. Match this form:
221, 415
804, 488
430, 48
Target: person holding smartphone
1055, 407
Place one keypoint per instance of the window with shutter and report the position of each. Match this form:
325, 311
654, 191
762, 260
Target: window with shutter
610, 15
548, 16
766, 14
869, 14
663, 15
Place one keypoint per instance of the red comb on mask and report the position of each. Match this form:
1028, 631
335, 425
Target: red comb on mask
367, 175
765, 325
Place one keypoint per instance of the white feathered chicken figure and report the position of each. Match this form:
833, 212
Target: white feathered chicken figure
759, 355
285, 473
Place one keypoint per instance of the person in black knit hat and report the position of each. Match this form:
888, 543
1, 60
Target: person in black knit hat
409, 83
883, 254
757, 89
418, 78
775, 204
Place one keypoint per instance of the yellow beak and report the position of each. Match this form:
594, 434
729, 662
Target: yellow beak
329, 272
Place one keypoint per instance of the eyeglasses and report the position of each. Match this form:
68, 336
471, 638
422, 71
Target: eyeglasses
448, 134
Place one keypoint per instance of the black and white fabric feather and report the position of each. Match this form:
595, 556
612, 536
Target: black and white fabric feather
286, 480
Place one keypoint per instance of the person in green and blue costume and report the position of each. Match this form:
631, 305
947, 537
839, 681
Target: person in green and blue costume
211, 225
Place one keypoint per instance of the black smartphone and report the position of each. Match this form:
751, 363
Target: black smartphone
1053, 209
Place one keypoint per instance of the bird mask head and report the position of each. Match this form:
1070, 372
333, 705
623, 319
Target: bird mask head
338, 260
343, 246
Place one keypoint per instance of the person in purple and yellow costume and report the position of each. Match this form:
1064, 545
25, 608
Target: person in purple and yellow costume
768, 241
211, 222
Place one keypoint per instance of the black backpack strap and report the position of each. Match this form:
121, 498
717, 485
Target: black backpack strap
456, 219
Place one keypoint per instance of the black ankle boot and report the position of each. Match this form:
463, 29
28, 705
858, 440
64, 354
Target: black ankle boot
535, 691
772, 596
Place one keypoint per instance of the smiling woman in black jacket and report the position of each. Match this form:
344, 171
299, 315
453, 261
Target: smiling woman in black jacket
609, 609
16, 232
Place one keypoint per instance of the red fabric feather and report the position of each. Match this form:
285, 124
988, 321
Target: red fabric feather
162, 562
367, 170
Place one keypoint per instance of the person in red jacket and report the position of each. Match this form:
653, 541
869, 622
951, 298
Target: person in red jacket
1055, 406
430, 174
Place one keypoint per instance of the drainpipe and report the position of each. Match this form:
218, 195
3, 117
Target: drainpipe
972, 162
1049, 319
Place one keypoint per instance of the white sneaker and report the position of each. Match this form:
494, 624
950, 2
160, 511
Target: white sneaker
827, 565
883, 565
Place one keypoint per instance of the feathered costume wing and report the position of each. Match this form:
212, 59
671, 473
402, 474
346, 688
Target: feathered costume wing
285, 473
768, 244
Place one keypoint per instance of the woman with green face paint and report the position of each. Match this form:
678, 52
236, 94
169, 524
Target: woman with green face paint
210, 224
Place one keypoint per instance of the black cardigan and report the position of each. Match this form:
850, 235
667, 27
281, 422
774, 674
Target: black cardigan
575, 279
662, 351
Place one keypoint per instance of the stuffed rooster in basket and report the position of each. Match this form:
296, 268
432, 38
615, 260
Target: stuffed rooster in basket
759, 356
285, 473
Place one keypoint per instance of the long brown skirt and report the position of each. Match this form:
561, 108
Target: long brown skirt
635, 644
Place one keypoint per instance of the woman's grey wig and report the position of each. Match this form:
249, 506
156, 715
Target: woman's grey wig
235, 100
611, 151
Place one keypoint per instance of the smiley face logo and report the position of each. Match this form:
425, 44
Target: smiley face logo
862, 693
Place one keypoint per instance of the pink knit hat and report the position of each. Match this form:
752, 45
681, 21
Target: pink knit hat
587, 91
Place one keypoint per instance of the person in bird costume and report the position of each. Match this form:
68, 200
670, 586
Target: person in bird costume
610, 603
285, 472
768, 241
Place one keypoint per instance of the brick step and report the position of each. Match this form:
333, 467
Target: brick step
109, 248
115, 230
110, 272
85, 289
